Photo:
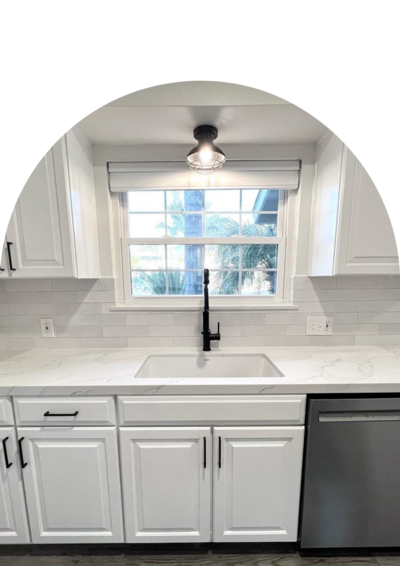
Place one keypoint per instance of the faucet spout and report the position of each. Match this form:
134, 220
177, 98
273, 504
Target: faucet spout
206, 332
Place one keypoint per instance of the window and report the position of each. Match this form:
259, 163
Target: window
171, 236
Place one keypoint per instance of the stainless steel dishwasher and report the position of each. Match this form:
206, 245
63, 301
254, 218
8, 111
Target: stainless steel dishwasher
351, 485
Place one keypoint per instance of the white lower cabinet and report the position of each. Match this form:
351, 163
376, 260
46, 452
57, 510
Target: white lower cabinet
72, 485
257, 476
166, 478
13, 520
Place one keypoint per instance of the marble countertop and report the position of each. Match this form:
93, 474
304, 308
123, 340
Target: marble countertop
112, 371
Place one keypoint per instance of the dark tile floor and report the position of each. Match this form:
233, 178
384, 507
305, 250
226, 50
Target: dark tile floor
188, 555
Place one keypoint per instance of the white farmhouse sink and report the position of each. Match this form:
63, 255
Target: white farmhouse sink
208, 365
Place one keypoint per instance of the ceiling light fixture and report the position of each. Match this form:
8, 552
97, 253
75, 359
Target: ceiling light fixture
205, 158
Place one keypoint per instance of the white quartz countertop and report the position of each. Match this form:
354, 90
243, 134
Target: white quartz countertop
112, 372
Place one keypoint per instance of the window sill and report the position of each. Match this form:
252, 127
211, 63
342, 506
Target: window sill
196, 306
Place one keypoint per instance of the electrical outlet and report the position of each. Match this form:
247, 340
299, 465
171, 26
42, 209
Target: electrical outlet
47, 327
319, 325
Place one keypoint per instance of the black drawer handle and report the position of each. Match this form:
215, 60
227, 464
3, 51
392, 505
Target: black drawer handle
47, 414
12, 268
219, 452
205, 452
21, 454
8, 464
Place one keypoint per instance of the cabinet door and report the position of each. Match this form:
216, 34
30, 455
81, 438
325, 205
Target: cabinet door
366, 242
72, 484
257, 473
39, 229
166, 478
13, 520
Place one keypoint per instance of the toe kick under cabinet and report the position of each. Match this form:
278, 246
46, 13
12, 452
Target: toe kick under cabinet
188, 468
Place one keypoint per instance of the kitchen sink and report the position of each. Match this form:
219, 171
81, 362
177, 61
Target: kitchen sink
208, 365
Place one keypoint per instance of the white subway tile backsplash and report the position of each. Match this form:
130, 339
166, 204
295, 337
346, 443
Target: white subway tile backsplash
24, 285
236, 319
389, 329
391, 306
381, 340
332, 340
55, 343
150, 342
126, 330
378, 317
364, 309
354, 329
171, 331
296, 329
263, 330
107, 342
18, 343
103, 319
369, 282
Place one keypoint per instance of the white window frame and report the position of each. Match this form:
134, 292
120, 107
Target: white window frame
190, 302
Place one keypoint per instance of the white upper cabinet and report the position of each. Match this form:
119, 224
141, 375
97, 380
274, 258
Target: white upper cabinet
166, 480
351, 232
53, 229
257, 477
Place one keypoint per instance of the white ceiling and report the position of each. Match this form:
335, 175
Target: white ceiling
168, 114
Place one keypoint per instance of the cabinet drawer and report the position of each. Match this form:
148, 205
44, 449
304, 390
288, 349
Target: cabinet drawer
52, 411
6, 414
243, 409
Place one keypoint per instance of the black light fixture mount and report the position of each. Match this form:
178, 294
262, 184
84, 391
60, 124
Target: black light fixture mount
205, 158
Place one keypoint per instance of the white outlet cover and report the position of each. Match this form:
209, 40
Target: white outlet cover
319, 325
47, 326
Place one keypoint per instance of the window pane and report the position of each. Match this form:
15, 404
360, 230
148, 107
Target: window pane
259, 200
185, 257
181, 201
263, 256
147, 257
146, 225
222, 225
258, 282
185, 283
148, 283
222, 200
146, 201
189, 225
224, 282
259, 224
222, 257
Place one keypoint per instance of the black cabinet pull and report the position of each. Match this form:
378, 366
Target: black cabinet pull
219, 452
1, 269
204, 452
47, 414
12, 268
8, 464
21, 454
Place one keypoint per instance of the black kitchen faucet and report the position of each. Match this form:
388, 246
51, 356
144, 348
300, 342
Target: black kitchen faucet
206, 332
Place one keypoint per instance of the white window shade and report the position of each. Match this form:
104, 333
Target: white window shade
169, 175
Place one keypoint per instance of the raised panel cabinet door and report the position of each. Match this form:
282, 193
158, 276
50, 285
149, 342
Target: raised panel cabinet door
39, 231
72, 486
13, 519
366, 243
166, 479
257, 476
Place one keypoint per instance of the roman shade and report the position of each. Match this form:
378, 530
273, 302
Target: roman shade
170, 175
